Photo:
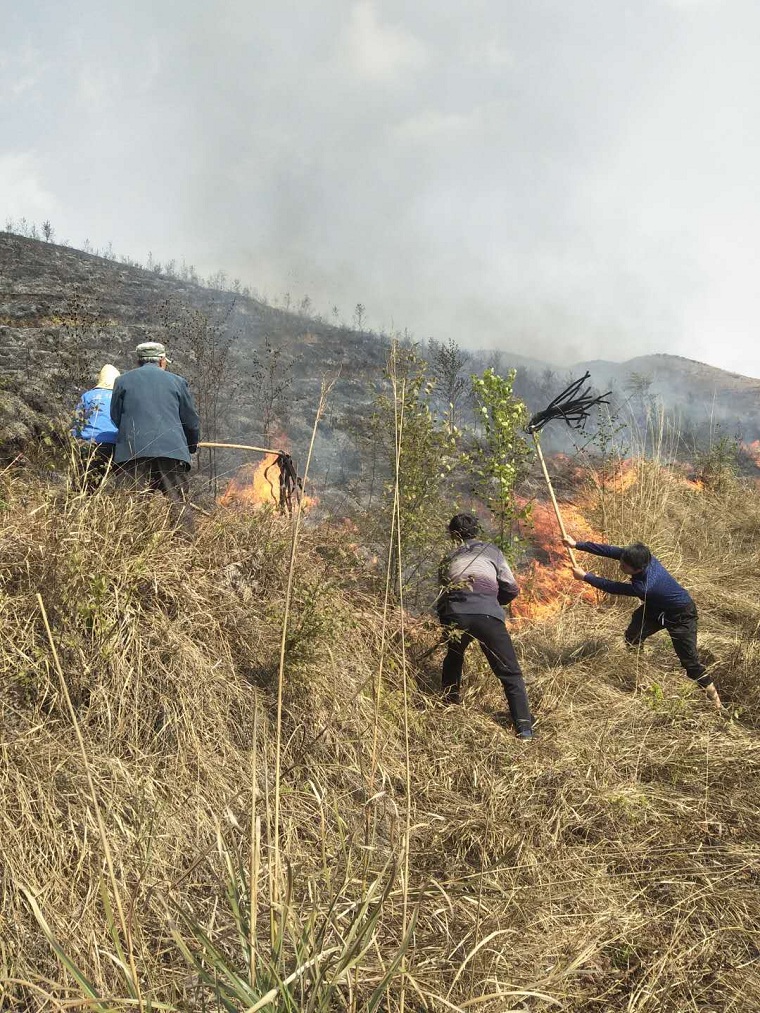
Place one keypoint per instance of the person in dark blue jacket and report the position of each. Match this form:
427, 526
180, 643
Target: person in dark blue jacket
158, 426
666, 605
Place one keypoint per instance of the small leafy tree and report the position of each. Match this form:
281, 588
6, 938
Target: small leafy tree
500, 457
717, 464
78, 334
642, 405
406, 431
606, 451
218, 280
448, 363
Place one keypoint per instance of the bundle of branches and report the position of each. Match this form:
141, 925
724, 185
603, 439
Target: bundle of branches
573, 406
289, 483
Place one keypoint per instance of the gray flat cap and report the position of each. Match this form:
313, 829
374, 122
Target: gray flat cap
151, 351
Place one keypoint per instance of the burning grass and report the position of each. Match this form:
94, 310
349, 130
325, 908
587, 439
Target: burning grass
253, 485
546, 578
612, 864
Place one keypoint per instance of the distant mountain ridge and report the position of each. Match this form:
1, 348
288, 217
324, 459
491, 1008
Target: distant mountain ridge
686, 386
662, 365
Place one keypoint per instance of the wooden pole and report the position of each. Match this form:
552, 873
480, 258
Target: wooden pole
555, 504
200, 510
241, 446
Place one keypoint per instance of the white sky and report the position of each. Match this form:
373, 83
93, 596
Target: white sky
562, 178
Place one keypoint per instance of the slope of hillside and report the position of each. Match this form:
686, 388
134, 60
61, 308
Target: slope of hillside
687, 387
393, 850
43, 288
37, 280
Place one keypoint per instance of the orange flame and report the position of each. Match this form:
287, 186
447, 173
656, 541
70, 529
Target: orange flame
626, 475
752, 451
251, 488
548, 586
256, 485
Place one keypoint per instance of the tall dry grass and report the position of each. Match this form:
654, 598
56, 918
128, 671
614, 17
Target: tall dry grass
612, 864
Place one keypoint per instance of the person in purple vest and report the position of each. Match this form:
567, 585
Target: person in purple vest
476, 582
665, 604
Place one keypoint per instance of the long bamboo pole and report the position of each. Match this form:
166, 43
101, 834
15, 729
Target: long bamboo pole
555, 504
276, 882
240, 446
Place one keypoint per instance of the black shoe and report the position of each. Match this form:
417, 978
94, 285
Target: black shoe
524, 729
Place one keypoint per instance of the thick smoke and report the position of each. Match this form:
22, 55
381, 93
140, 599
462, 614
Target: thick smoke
568, 180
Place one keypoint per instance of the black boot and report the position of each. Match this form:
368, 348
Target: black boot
524, 729
451, 694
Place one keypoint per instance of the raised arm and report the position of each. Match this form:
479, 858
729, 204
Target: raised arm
600, 549
610, 586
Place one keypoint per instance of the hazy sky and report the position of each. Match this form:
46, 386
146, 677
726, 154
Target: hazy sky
563, 178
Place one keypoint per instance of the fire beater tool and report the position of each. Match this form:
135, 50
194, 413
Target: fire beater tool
573, 406
289, 482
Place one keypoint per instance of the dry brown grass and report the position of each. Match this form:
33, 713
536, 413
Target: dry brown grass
612, 864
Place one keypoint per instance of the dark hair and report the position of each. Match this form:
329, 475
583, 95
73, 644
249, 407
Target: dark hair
636, 555
465, 526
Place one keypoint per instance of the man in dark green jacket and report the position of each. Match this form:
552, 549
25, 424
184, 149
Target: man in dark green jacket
158, 425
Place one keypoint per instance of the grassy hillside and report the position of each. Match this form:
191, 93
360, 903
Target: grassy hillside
394, 852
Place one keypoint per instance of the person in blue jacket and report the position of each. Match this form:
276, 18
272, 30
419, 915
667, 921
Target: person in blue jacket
665, 604
93, 428
158, 426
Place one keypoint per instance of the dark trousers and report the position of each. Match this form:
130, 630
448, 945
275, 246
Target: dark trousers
94, 462
496, 644
682, 627
162, 474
